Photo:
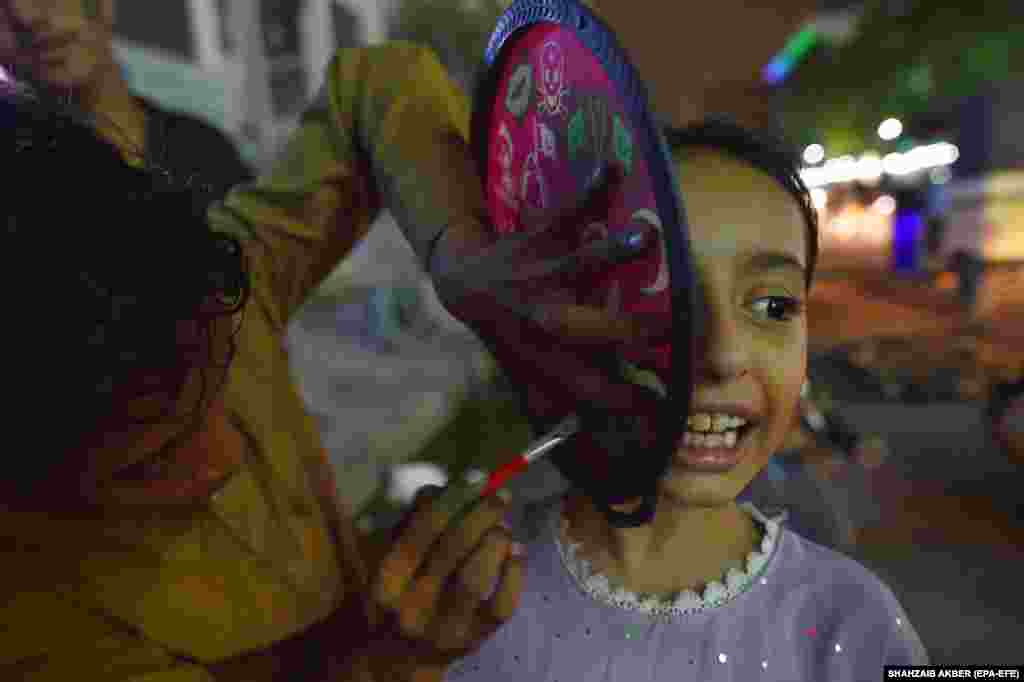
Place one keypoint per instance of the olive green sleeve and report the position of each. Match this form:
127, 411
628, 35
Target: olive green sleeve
380, 135
48, 638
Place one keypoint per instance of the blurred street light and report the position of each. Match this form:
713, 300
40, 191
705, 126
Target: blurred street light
814, 154
890, 129
884, 204
870, 167
940, 175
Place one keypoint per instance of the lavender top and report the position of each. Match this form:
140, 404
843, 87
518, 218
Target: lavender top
796, 611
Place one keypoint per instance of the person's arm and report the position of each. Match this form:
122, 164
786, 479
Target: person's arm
50, 637
379, 135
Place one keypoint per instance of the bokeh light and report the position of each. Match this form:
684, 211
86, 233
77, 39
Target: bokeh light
814, 154
890, 129
884, 204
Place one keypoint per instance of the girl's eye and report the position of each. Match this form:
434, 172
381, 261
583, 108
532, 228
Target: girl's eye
778, 308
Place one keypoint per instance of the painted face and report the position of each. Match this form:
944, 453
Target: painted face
62, 43
748, 243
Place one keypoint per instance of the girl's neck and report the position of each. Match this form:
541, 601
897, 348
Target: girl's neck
684, 548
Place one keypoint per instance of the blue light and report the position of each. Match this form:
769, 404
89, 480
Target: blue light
776, 70
907, 231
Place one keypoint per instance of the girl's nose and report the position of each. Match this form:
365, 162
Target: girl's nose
722, 353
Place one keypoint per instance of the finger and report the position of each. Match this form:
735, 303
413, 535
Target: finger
424, 494
416, 608
467, 262
579, 324
558, 312
509, 266
422, 497
590, 325
505, 601
474, 583
619, 247
565, 374
461, 538
418, 605
537, 272
422, 527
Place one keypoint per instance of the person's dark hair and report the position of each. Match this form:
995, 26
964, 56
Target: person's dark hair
762, 150
104, 264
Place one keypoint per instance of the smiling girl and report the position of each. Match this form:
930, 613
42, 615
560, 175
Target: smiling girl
711, 589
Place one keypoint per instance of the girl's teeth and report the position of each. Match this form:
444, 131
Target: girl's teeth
710, 440
703, 422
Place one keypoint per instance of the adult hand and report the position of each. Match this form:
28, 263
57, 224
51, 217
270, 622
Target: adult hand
507, 290
442, 587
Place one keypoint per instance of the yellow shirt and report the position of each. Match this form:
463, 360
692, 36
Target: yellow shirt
170, 597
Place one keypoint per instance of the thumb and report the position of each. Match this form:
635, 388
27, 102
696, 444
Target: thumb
423, 496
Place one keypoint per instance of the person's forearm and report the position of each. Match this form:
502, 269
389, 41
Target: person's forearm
410, 123
387, 131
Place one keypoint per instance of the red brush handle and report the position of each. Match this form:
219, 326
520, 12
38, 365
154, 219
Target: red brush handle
502, 474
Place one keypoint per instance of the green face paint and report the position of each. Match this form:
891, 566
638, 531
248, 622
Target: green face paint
520, 91
623, 146
577, 131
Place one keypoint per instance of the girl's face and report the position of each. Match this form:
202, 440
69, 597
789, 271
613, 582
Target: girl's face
749, 249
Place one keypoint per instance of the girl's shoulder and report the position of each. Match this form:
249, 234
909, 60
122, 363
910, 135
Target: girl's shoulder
847, 596
804, 562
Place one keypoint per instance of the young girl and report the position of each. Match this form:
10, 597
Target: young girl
711, 589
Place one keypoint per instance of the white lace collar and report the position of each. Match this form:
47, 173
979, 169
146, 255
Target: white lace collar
716, 593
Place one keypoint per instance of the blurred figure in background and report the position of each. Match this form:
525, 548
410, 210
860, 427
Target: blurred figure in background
969, 269
65, 48
1005, 413
935, 232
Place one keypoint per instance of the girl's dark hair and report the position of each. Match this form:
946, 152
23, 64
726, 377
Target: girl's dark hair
103, 264
762, 150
